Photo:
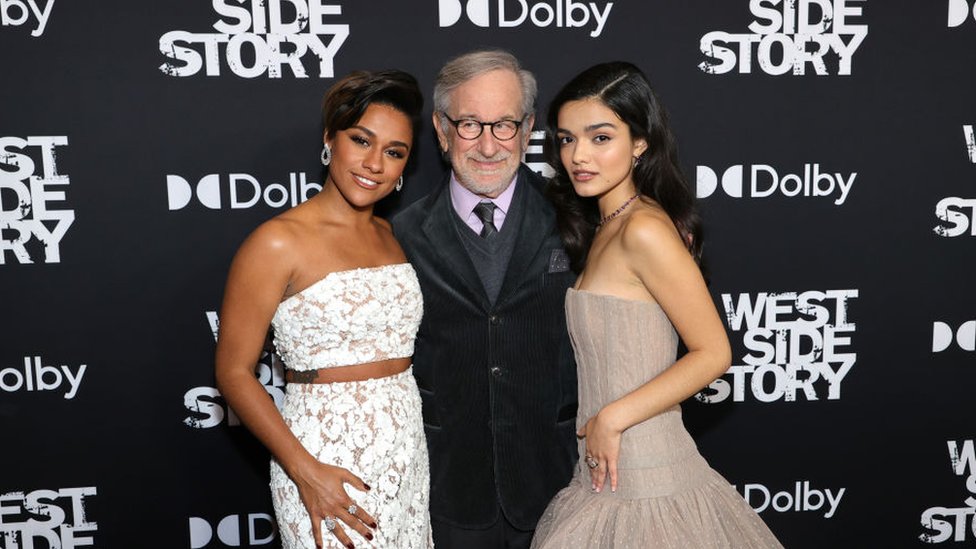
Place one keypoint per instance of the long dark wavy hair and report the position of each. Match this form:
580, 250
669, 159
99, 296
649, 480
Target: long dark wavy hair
624, 89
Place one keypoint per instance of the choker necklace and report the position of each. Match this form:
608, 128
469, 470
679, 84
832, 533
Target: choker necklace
618, 211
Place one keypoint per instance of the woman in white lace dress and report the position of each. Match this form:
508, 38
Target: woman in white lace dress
349, 457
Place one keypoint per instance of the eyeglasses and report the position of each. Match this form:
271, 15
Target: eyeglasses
470, 129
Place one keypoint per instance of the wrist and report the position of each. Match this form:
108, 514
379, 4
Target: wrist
299, 466
612, 416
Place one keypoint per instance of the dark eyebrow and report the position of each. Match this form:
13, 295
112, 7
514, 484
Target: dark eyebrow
599, 125
365, 130
371, 133
590, 128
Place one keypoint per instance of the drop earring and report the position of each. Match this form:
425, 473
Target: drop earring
399, 184
326, 155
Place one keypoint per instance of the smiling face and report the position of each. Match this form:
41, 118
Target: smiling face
597, 150
485, 165
368, 157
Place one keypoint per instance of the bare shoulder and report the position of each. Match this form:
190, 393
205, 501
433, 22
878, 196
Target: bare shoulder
276, 239
649, 233
657, 255
392, 250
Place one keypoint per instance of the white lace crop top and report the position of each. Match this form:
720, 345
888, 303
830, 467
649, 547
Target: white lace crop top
350, 317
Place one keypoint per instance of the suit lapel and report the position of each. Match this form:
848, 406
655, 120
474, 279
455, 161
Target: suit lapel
441, 232
537, 220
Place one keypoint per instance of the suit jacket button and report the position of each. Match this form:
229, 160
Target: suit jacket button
494, 320
496, 371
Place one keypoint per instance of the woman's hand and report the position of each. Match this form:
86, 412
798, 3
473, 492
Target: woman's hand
602, 449
325, 498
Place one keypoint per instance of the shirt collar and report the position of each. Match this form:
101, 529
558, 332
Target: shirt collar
464, 200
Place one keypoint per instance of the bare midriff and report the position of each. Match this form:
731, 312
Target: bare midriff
356, 372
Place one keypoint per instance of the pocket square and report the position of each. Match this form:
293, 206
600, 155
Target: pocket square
558, 261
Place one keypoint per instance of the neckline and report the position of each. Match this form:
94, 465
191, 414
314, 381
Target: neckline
344, 271
617, 298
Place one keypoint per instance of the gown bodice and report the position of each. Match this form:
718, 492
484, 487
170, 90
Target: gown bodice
350, 317
621, 344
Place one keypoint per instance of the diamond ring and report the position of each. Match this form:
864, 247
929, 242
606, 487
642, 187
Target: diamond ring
330, 523
591, 462
352, 509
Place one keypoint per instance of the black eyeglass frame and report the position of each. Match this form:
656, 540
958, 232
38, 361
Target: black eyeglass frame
481, 127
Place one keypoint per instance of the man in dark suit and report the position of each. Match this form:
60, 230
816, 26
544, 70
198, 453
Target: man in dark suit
492, 357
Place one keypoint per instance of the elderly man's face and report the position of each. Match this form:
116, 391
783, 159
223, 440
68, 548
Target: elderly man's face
485, 165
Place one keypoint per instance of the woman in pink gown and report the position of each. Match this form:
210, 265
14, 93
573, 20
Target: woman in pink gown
630, 227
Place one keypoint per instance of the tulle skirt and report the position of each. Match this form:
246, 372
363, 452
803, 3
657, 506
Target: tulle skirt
683, 506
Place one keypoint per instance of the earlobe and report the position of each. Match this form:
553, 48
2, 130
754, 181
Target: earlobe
326, 155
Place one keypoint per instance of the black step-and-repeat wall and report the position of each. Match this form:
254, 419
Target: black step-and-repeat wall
832, 146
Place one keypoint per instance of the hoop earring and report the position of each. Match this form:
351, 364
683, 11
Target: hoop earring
326, 155
399, 184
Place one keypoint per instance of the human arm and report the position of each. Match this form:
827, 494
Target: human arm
258, 278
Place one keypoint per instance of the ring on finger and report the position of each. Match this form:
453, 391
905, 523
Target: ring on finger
330, 523
591, 462
352, 509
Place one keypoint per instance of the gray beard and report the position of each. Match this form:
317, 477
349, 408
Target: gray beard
486, 190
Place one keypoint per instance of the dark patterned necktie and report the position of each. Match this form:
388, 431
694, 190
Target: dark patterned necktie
486, 213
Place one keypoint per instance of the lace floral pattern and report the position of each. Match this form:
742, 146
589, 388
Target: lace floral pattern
350, 317
373, 428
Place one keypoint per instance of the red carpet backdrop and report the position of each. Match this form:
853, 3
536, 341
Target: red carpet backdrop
831, 143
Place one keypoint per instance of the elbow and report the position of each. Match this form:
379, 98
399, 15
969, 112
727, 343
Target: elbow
712, 361
720, 358
223, 371
725, 357
220, 377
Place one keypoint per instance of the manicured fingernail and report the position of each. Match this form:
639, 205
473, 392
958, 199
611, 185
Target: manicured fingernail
367, 486
372, 524
369, 536
350, 545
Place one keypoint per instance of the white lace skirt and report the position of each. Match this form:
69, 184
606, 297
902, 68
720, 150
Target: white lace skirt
373, 428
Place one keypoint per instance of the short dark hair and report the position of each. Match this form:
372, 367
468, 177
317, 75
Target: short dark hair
348, 98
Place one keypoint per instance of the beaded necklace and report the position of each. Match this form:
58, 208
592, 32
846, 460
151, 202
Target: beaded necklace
617, 212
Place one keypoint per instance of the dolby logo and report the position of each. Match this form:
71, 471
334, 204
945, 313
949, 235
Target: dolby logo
231, 531
959, 11
765, 181
515, 13
238, 191
942, 336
